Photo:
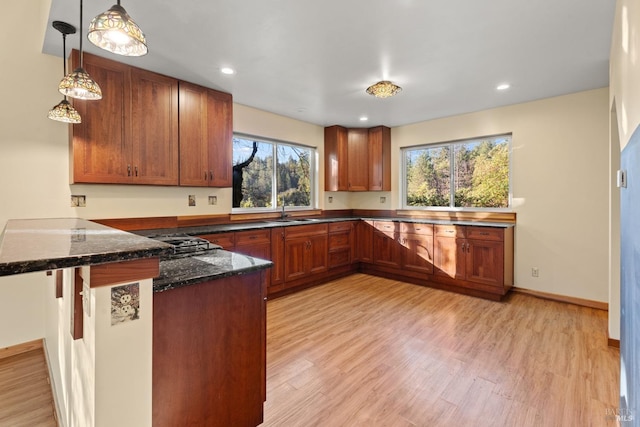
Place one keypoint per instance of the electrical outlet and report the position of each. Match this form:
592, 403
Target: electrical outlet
535, 272
383, 199
78, 201
213, 200
192, 199
330, 199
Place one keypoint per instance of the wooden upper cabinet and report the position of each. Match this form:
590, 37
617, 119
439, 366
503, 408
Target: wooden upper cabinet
154, 128
205, 137
150, 129
194, 151
380, 159
358, 152
220, 131
357, 159
335, 159
101, 145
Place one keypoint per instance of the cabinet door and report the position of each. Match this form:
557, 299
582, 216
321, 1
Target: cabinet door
358, 153
295, 250
101, 146
220, 132
194, 151
485, 261
449, 257
417, 252
226, 240
380, 159
317, 254
154, 128
277, 257
364, 241
335, 159
386, 249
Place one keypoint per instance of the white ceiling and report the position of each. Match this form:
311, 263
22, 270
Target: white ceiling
313, 60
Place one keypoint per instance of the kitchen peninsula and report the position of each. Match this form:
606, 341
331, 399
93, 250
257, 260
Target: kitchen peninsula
120, 354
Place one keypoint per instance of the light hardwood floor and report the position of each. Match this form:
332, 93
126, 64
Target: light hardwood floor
25, 393
367, 351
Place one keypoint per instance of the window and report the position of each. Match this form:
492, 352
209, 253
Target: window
256, 174
464, 174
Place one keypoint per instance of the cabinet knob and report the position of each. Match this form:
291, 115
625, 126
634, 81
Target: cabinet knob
128, 170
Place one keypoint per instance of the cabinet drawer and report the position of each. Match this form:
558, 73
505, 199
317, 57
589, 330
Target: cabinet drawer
305, 230
449, 230
385, 226
340, 226
226, 240
341, 257
253, 237
339, 240
485, 233
414, 228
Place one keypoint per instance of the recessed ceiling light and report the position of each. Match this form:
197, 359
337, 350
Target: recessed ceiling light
227, 70
503, 86
364, 118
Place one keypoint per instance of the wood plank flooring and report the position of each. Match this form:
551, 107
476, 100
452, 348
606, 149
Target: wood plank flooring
367, 351
25, 393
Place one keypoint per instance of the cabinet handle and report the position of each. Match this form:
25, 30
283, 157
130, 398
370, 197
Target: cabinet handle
211, 175
205, 175
448, 231
253, 237
136, 170
483, 233
128, 170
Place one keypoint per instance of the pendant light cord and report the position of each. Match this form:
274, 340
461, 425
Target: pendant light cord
64, 57
81, 61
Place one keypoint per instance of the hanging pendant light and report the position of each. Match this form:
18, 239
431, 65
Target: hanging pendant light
79, 84
63, 111
115, 31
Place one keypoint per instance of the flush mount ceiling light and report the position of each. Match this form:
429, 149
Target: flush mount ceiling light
383, 89
64, 112
115, 31
79, 84
503, 86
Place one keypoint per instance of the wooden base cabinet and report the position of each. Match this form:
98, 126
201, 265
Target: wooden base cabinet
306, 251
341, 248
474, 257
417, 247
387, 250
209, 353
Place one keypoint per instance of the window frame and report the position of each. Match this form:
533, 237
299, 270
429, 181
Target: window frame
313, 173
451, 144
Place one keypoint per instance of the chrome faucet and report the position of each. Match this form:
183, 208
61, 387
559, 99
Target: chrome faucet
283, 215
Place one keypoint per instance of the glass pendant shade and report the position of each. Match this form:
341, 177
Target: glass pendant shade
80, 85
64, 112
115, 31
383, 89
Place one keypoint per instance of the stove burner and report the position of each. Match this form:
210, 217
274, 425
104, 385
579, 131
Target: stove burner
187, 246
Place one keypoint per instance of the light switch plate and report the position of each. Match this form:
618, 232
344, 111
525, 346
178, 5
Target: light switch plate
621, 178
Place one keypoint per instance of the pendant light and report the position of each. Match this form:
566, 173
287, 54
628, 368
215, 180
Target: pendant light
79, 84
64, 112
115, 31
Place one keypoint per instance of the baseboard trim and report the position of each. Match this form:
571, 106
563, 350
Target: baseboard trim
56, 402
20, 348
612, 342
599, 305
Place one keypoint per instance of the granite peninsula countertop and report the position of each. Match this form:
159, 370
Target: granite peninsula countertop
244, 226
176, 273
29, 245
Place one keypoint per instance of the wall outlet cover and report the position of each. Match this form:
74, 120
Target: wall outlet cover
125, 303
192, 199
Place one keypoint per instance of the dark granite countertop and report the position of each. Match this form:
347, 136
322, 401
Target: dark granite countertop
223, 228
28, 245
176, 273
